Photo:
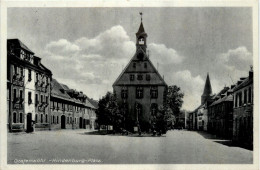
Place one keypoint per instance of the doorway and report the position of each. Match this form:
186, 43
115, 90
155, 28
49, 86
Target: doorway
80, 123
63, 122
29, 127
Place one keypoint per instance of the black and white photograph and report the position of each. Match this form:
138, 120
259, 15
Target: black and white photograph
140, 85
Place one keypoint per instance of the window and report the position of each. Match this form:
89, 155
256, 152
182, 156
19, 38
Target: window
53, 119
139, 77
29, 75
41, 98
132, 77
21, 95
29, 97
41, 118
14, 117
249, 95
154, 108
57, 119
36, 99
37, 77
14, 94
139, 92
240, 99
154, 92
68, 121
148, 77
75, 120
46, 118
36, 118
21, 71
21, 117
134, 65
145, 65
124, 93
245, 96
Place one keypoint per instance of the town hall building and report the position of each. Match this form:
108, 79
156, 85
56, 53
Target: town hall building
140, 89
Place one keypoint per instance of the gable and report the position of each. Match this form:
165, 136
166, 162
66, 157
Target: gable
142, 67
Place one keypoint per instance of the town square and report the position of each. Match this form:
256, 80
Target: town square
130, 86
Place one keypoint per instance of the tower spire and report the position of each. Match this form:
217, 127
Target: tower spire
141, 36
207, 90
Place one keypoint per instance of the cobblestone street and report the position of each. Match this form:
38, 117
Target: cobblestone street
176, 147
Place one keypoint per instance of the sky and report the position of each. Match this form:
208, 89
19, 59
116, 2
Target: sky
87, 48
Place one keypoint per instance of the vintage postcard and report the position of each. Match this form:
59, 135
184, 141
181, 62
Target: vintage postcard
129, 85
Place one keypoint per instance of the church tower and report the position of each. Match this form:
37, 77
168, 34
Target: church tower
141, 37
207, 90
140, 89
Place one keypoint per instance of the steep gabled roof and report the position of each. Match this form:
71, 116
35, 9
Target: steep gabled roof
156, 78
207, 88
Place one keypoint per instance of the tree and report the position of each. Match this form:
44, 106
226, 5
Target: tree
174, 99
109, 112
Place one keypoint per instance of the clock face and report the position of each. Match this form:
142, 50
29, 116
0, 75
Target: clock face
140, 56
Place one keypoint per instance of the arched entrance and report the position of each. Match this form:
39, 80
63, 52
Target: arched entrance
63, 122
80, 123
29, 127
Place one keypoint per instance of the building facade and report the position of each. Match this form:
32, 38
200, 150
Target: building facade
27, 81
35, 101
221, 114
70, 109
140, 89
243, 111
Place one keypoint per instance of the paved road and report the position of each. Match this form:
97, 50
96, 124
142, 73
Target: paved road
178, 147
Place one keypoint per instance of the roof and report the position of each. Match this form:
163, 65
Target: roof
207, 88
226, 98
155, 77
141, 29
19, 43
93, 102
56, 90
244, 83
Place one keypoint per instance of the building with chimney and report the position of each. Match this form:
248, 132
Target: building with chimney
28, 87
140, 89
243, 111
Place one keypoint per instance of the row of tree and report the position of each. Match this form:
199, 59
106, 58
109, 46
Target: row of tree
109, 112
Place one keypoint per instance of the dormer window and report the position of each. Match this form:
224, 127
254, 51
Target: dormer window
145, 65
134, 65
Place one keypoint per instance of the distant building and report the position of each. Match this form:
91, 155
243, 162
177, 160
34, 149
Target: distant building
28, 87
243, 111
199, 117
140, 88
70, 109
221, 114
